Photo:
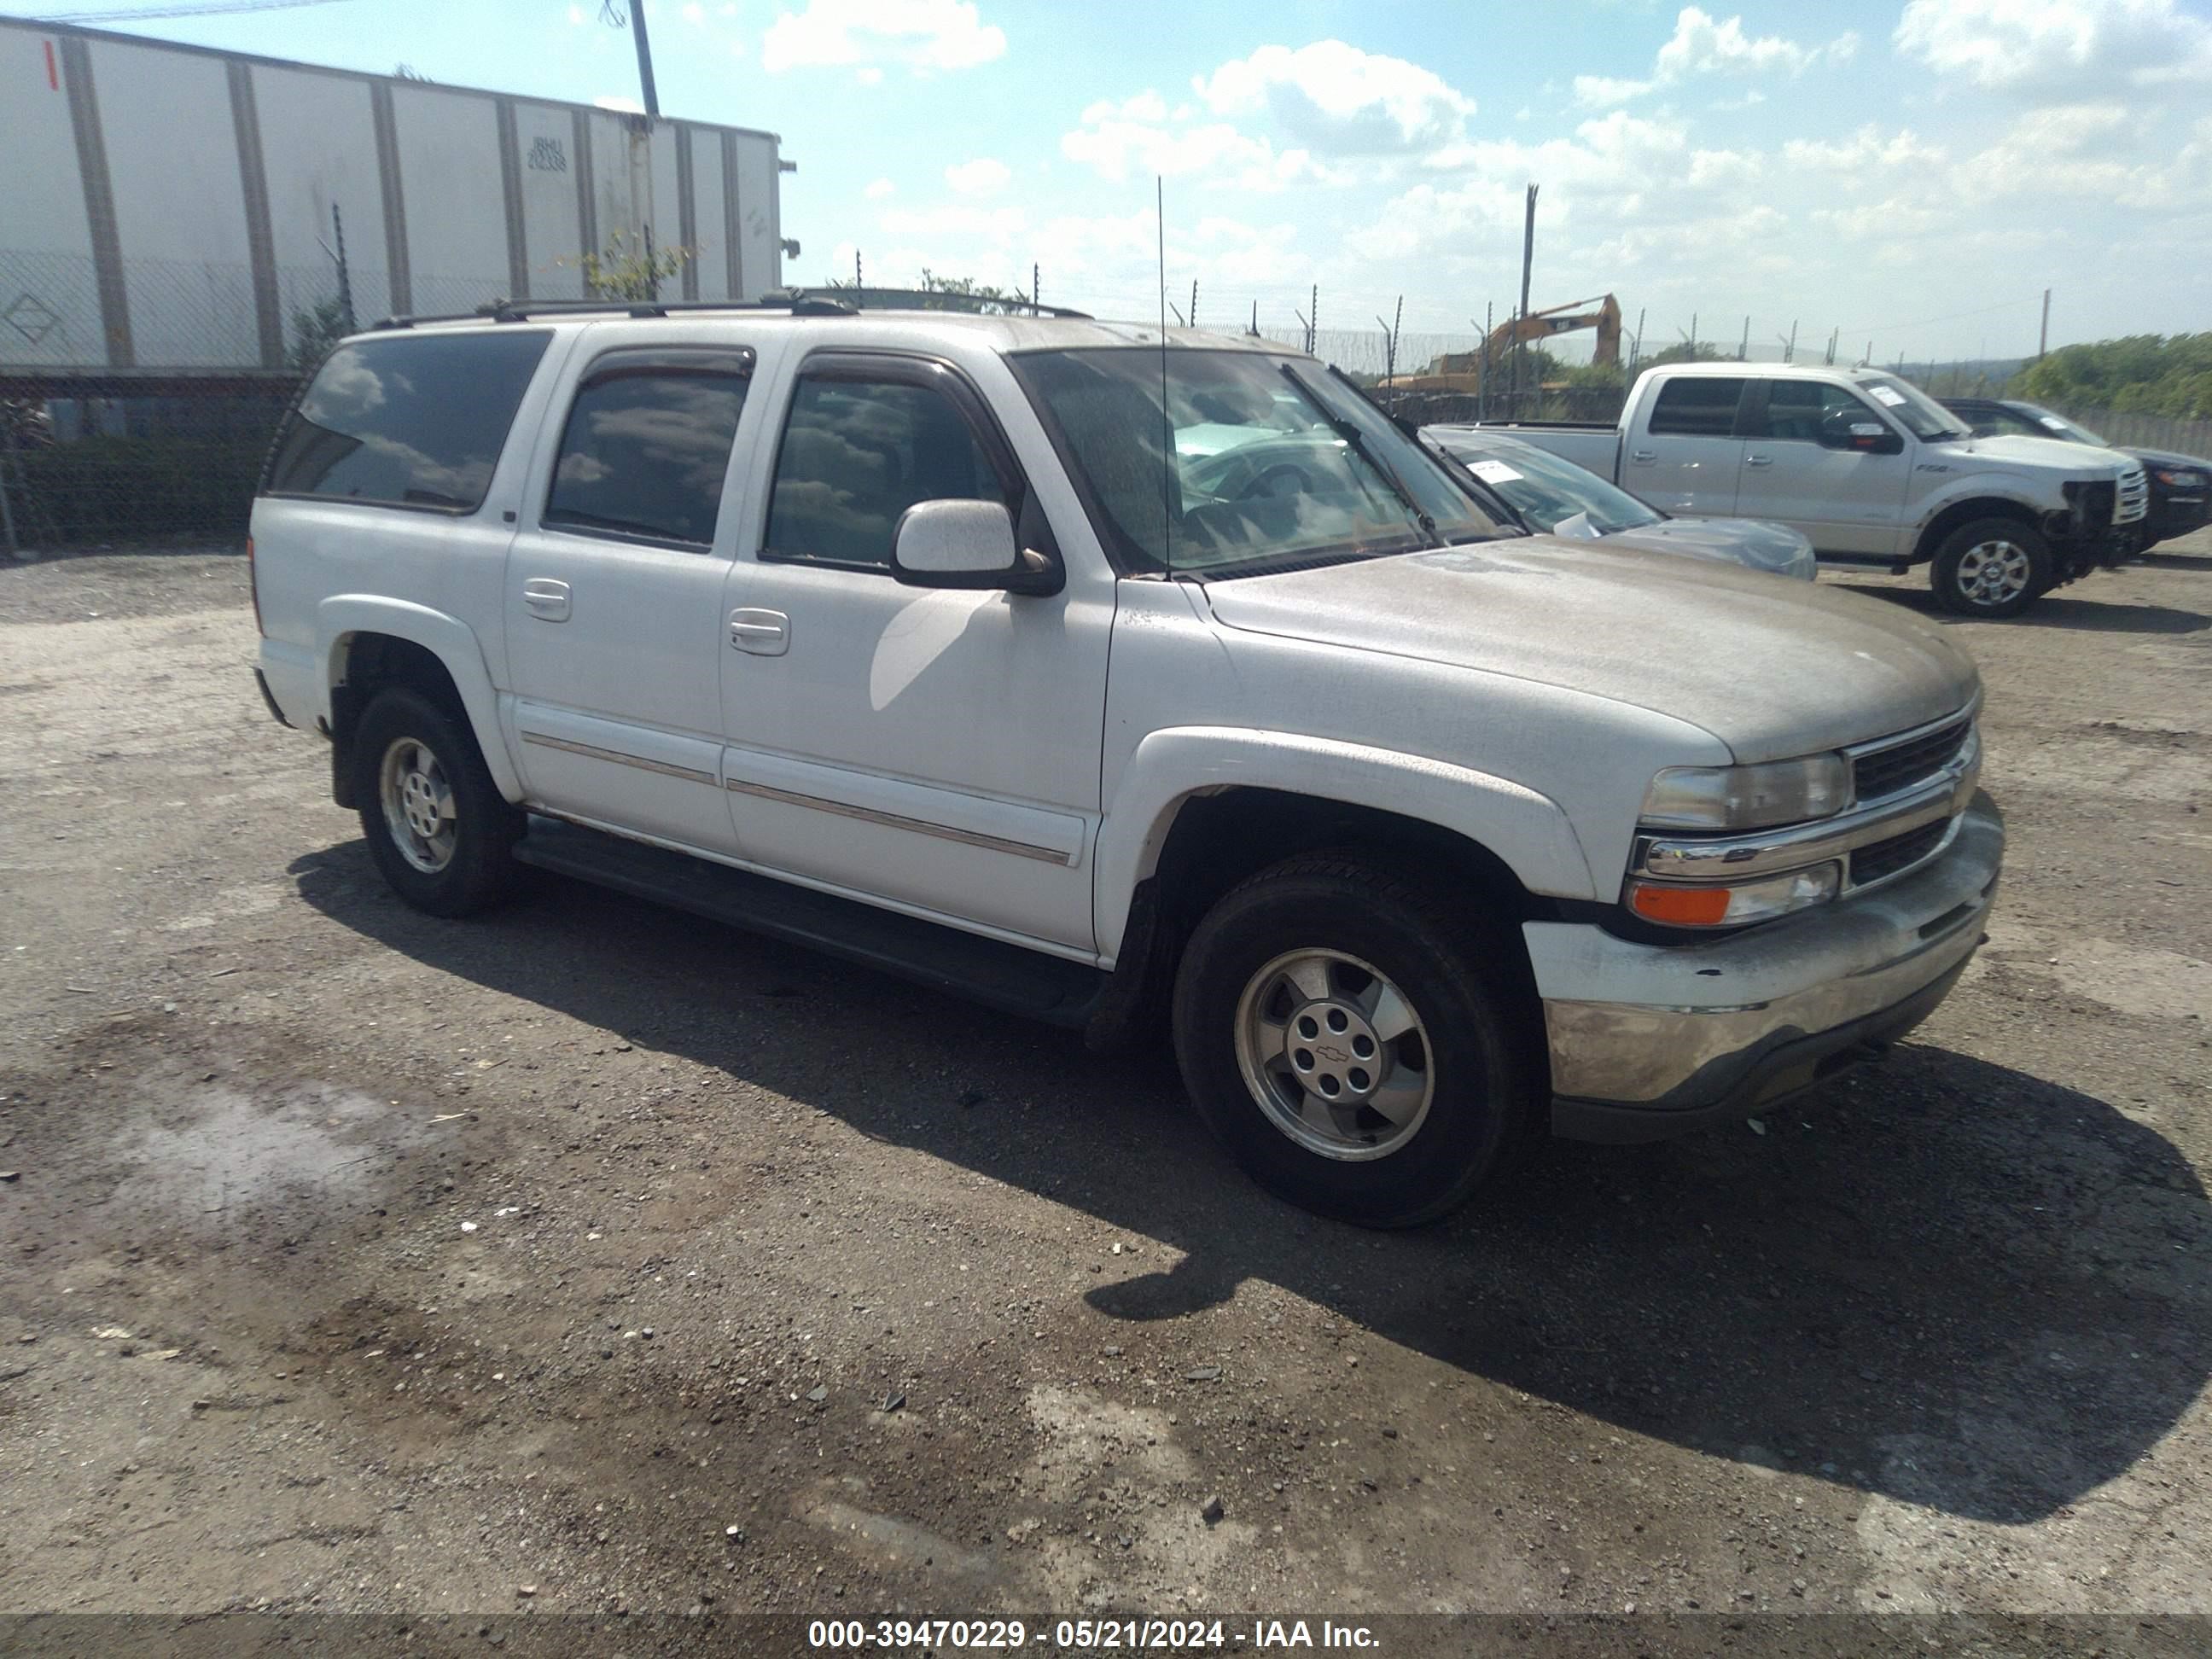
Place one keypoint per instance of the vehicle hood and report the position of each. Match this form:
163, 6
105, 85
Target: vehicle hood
2168, 459
1773, 669
2040, 455
1751, 543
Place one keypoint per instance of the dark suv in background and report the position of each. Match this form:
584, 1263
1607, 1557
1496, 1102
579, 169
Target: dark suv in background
2180, 485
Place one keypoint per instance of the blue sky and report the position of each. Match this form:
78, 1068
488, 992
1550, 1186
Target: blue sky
1914, 174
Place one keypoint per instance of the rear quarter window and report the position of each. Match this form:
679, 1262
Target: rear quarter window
1698, 406
412, 421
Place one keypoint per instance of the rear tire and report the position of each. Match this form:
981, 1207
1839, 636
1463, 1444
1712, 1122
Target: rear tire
1363, 1050
1991, 568
437, 825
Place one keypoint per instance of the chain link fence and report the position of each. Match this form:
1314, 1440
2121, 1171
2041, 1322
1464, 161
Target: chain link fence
144, 416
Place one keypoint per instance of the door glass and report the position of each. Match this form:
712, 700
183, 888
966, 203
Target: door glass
855, 455
1698, 406
646, 447
1795, 409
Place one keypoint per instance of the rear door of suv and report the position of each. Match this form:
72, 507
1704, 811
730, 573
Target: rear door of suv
613, 591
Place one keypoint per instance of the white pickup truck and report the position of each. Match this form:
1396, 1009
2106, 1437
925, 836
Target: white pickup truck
915, 636
1872, 471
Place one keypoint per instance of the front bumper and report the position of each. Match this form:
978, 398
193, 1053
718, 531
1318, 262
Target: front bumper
1649, 1041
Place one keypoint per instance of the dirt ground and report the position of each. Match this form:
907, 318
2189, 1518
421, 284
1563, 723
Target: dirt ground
588, 1258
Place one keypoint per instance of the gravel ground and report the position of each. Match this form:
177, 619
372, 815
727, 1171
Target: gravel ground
588, 1258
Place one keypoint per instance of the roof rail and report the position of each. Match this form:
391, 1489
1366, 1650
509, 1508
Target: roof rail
800, 302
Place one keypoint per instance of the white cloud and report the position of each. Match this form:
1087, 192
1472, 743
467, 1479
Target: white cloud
1139, 136
1338, 98
1000, 226
980, 177
575, 15
1863, 152
923, 35
879, 188
2075, 43
695, 13
1604, 91
1705, 45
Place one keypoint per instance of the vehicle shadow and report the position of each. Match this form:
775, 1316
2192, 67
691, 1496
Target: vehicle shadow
1960, 1285
2056, 610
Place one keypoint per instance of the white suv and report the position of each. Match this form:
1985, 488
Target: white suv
916, 635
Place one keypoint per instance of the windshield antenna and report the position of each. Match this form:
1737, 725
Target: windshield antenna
1167, 419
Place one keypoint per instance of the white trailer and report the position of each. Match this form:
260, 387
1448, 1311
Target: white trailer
171, 206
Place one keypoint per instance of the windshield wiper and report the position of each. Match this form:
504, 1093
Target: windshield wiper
1357, 439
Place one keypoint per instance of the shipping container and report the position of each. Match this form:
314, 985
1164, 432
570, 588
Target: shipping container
168, 207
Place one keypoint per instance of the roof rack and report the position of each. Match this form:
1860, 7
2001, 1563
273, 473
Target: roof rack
800, 302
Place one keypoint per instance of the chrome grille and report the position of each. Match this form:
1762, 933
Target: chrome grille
1911, 760
2134, 498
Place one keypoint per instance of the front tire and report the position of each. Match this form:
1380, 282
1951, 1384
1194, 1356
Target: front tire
437, 826
1991, 568
1362, 1051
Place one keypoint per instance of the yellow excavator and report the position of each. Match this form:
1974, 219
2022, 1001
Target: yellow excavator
1462, 371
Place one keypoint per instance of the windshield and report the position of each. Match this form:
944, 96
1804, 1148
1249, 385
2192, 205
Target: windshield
1544, 489
1922, 414
1271, 460
2059, 426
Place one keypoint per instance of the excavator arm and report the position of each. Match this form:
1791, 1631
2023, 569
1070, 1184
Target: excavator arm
1462, 371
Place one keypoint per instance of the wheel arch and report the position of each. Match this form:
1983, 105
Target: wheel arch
369, 642
1965, 512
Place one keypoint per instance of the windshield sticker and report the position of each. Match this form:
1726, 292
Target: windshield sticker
1492, 471
1888, 394
1866, 428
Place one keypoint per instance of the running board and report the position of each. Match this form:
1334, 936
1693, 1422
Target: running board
999, 976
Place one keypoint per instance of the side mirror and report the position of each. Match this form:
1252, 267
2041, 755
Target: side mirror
1843, 429
971, 545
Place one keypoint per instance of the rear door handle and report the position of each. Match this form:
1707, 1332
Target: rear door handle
546, 598
763, 633
1644, 455
1758, 460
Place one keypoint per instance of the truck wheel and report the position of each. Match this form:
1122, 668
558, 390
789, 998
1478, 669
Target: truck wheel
437, 825
1991, 568
1359, 1055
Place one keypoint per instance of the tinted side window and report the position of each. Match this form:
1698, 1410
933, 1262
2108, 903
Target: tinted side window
1795, 409
412, 421
855, 455
646, 446
1697, 405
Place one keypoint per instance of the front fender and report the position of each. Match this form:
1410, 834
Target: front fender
453, 641
2031, 495
1526, 830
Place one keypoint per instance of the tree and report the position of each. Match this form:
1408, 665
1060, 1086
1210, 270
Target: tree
1705, 351
621, 270
977, 296
316, 330
2142, 373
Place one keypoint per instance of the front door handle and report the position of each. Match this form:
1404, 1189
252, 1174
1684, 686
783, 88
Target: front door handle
763, 633
546, 598
1643, 455
1758, 460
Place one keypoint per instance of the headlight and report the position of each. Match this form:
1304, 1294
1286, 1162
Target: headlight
1735, 905
1748, 797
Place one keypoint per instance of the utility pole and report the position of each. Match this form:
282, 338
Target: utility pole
2043, 339
1789, 352
1743, 351
1482, 386
1036, 288
1693, 336
346, 277
1636, 351
1313, 317
1527, 259
857, 283
644, 59
1193, 303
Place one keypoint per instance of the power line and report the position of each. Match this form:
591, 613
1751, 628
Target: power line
200, 9
1980, 310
